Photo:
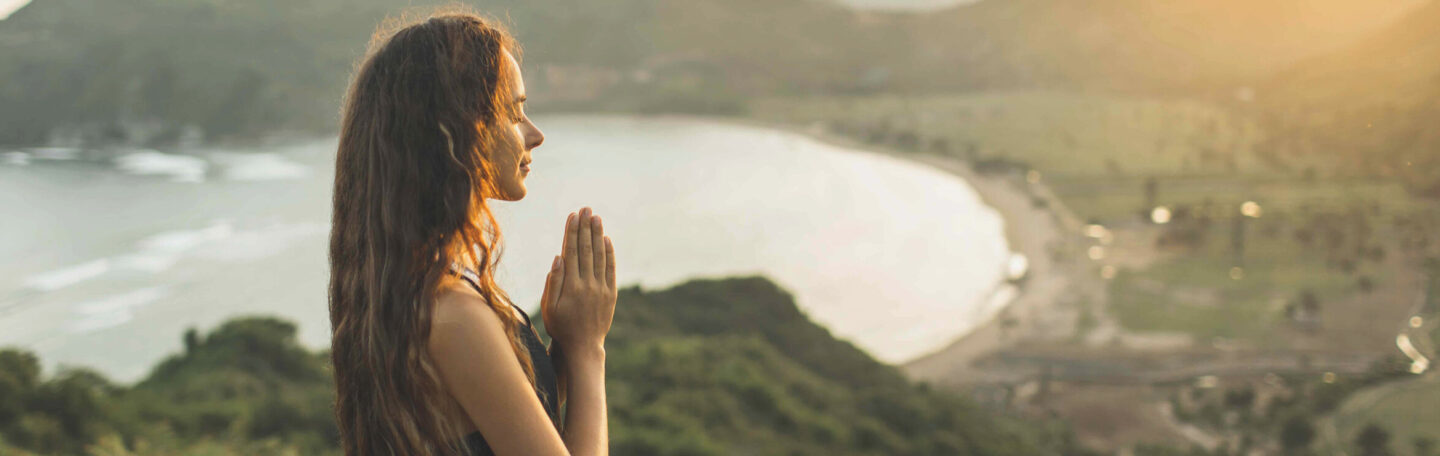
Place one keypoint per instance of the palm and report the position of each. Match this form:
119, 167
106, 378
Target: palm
578, 303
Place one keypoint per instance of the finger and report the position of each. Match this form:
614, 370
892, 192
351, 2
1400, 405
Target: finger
555, 284
597, 234
609, 262
587, 247
570, 250
545, 294
546, 297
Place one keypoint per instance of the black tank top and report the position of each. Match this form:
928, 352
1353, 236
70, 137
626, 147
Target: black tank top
544, 377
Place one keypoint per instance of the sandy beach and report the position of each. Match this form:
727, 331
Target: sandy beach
1037, 231
1037, 225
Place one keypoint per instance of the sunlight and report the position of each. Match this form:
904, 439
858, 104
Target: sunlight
9, 6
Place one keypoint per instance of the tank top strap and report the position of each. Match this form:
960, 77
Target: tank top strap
474, 281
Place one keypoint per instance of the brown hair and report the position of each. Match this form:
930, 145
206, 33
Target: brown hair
410, 201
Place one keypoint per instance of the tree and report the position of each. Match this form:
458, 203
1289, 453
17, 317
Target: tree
1373, 441
192, 340
1296, 434
1424, 446
1240, 398
19, 373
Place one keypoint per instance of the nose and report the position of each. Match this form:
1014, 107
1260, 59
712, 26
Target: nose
534, 137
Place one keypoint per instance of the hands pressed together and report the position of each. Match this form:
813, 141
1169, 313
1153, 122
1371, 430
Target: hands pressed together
578, 303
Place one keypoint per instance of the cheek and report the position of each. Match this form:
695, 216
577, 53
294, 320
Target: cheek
515, 143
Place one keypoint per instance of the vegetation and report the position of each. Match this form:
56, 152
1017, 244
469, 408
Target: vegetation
246, 385
1285, 414
707, 367
1404, 412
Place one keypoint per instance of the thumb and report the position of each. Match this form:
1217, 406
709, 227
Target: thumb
551, 294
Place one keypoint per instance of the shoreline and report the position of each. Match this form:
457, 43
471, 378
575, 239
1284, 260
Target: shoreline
1035, 232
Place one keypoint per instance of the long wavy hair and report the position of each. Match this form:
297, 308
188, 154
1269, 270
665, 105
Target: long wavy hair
412, 178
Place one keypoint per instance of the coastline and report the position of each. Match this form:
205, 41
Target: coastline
1037, 231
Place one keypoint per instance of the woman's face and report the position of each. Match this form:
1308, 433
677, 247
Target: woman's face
520, 136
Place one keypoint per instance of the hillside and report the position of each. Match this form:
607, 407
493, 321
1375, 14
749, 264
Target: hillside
1389, 66
138, 71
151, 71
1133, 45
1371, 107
707, 367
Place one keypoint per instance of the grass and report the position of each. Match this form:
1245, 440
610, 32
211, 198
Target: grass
1117, 198
1094, 150
1053, 132
1191, 289
1153, 299
1407, 411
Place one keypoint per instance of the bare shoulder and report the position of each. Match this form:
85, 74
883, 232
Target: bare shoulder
461, 313
457, 301
475, 359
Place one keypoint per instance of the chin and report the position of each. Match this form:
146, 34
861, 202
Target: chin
515, 194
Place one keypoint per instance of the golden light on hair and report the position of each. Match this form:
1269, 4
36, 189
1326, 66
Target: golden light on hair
426, 100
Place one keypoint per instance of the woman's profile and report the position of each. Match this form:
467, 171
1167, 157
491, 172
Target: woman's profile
430, 355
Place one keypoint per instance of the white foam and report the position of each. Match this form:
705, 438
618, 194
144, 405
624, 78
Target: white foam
260, 243
181, 240
55, 153
180, 168
154, 254
259, 167
61, 278
114, 310
161, 251
15, 158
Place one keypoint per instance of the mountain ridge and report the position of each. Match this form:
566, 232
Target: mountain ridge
143, 71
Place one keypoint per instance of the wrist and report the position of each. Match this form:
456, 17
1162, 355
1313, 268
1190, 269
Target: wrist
583, 353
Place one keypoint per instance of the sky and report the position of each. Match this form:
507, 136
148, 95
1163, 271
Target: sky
9, 6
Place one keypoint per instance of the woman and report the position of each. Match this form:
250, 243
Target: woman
430, 356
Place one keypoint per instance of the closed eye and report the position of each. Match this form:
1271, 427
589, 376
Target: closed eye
520, 108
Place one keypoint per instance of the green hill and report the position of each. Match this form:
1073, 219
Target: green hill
138, 71
708, 367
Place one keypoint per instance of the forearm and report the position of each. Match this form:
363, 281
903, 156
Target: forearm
586, 422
